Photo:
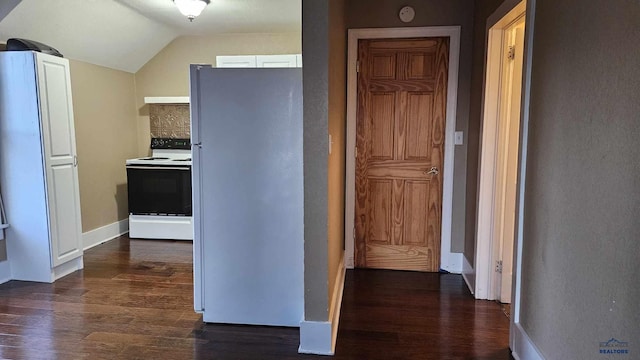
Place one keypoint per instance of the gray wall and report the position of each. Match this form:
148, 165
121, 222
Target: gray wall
384, 13
315, 49
581, 230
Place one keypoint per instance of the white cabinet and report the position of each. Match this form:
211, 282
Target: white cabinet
259, 61
60, 161
38, 167
236, 61
278, 61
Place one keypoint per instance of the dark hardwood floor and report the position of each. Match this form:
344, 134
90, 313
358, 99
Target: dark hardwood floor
411, 315
134, 300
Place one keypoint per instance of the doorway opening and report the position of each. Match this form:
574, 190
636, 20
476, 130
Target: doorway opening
499, 157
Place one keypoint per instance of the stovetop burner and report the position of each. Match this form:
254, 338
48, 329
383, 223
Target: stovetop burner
166, 152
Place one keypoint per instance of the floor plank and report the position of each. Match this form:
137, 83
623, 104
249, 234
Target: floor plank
134, 300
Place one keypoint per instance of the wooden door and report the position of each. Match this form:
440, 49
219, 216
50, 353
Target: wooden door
58, 136
402, 87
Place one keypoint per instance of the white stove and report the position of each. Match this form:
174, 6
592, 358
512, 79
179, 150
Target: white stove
164, 157
159, 191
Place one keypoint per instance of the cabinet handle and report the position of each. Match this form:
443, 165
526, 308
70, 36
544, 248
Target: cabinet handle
75, 160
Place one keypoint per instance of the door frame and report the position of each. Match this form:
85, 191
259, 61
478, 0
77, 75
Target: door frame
487, 250
449, 261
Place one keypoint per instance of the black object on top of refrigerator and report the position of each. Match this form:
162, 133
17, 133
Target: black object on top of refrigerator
16, 44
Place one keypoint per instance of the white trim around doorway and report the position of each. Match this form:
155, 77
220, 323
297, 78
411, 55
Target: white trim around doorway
517, 342
449, 261
486, 247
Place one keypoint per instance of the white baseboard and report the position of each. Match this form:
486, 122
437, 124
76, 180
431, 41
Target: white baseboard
319, 337
469, 275
315, 338
336, 304
5, 271
452, 262
67, 268
468, 282
105, 233
522, 347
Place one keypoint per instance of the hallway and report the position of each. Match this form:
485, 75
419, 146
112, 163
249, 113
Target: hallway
134, 301
410, 315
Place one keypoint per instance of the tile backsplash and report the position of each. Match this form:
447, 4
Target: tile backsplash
170, 121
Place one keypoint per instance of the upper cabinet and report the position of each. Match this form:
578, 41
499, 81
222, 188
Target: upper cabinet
277, 61
259, 61
236, 61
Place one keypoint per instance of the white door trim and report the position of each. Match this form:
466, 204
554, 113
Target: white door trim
518, 252
486, 248
449, 261
519, 341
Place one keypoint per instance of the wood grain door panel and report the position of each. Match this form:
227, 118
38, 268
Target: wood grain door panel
381, 128
399, 138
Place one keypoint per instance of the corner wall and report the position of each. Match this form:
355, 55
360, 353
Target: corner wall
315, 80
106, 135
321, 87
580, 252
337, 130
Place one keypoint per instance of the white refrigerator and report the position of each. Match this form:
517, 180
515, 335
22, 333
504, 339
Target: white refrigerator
246, 131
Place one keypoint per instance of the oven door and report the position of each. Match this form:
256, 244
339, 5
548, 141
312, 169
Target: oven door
159, 190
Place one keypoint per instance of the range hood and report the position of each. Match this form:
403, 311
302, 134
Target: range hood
166, 100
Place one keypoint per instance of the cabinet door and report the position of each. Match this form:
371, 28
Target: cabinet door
277, 61
236, 61
61, 171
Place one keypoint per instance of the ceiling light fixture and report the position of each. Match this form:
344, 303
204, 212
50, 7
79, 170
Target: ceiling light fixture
191, 8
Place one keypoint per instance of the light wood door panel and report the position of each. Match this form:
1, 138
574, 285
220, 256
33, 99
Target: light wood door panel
399, 138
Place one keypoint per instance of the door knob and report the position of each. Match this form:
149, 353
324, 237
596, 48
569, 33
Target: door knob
433, 171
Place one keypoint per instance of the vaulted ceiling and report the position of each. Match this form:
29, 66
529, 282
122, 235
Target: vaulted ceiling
125, 34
